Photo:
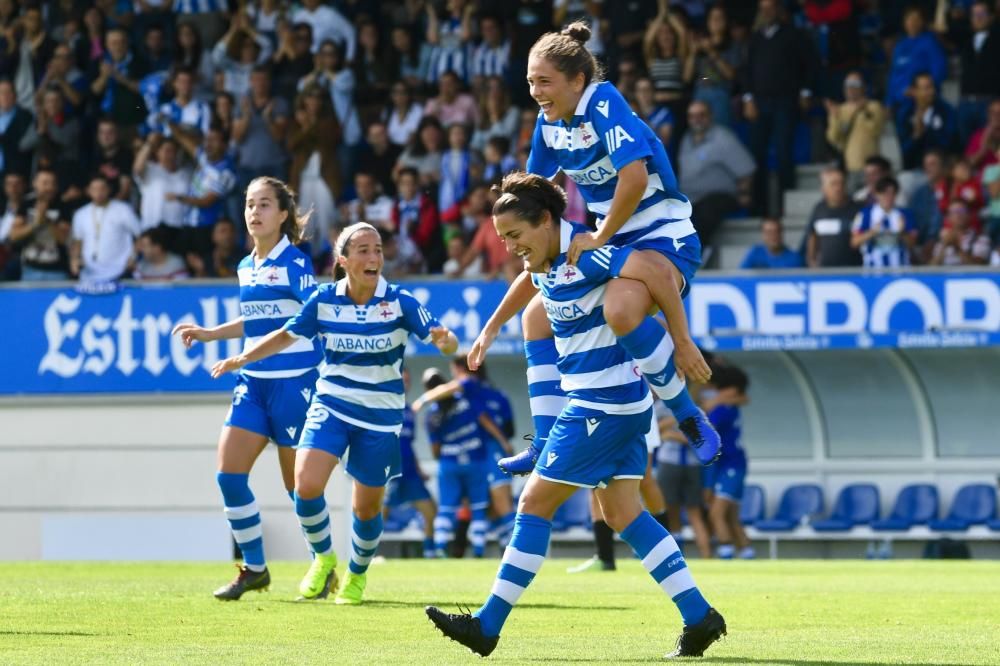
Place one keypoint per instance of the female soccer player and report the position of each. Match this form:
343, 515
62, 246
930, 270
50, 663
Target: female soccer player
271, 396
587, 130
598, 441
358, 403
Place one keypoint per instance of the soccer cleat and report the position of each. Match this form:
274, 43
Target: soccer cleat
748, 553
593, 564
463, 628
694, 640
245, 581
352, 588
321, 578
521, 463
702, 437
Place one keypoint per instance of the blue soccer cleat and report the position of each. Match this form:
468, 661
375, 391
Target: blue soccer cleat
521, 463
702, 437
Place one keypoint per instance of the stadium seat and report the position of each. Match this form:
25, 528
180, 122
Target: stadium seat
974, 504
915, 505
993, 525
857, 504
575, 512
798, 502
752, 507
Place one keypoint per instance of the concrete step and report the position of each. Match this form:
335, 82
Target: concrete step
800, 203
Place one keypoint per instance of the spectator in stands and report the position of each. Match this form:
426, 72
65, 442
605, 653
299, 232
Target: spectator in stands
772, 251
183, 112
771, 103
55, 136
924, 121
259, 130
448, 37
451, 105
112, 159
965, 188
158, 172
41, 231
626, 25
410, 59
828, 236
63, 75
854, 127
985, 141
379, 156
882, 232
834, 26
991, 186
189, 53
712, 65
491, 249
980, 75
333, 75
402, 116
424, 152
104, 233
207, 16
327, 24
876, 168
15, 127
224, 111
659, 118
415, 220
115, 79
372, 71
31, 51
225, 255
491, 57
293, 59
497, 160
237, 54
370, 206
665, 50
315, 175
213, 181
13, 196
628, 74
917, 52
458, 250
460, 167
154, 49
156, 261
929, 201
959, 243
496, 115
715, 171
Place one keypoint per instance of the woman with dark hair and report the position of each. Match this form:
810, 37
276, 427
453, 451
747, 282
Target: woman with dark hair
315, 172
712, 64
189, 53
424, 152
497, 117
402, 116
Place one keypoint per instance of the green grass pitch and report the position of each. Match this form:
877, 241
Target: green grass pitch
787, 613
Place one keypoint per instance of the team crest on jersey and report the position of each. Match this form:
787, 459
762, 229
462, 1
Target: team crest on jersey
384, 311
561, 138
271, 276
567, 274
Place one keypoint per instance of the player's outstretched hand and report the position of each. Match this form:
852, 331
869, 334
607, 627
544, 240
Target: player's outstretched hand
690, 362
444, 340
580, 244
190, 333
227, 365
477, 355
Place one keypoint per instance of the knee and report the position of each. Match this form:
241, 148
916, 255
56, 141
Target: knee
367, 511
618, 518
306, 486
533, 504
620, 317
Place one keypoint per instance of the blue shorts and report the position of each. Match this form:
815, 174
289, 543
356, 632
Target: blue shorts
406, 489
497, 477
470, 481
374, 456
274, 408
729, 483
684, 253
708, 477
588, 449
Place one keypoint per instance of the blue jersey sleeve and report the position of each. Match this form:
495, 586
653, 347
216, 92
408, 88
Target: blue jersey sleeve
305, 324
302, 278
621, 131
419, 321
433, 422
723, 417
542, 159
604, 263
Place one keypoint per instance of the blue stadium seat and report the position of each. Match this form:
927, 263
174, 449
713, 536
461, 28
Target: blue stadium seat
993, 525
752, 507
575, 512
857, 504
797, 502
399, 518
974, 504
915, 505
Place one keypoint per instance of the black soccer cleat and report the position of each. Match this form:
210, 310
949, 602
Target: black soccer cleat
694, 640
245, 581
463, 628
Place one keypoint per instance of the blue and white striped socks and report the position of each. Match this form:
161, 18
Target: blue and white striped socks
544, 390
364, 542
663, 560
521, 561
244, 518
315, 521
653, 350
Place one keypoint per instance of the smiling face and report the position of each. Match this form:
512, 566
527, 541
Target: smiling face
362, 259
556, 94
537, 246
262, 214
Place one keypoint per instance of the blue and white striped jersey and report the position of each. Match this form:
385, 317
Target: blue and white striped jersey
453, 424
597, 373
888, 248
361, 381
490, 60
270, 294
195, 115
604, 136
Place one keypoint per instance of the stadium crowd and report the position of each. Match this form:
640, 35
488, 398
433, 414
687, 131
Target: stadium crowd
129, 130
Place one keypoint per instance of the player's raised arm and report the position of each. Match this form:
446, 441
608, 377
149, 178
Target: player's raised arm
191, 332
518, 295
271, 344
